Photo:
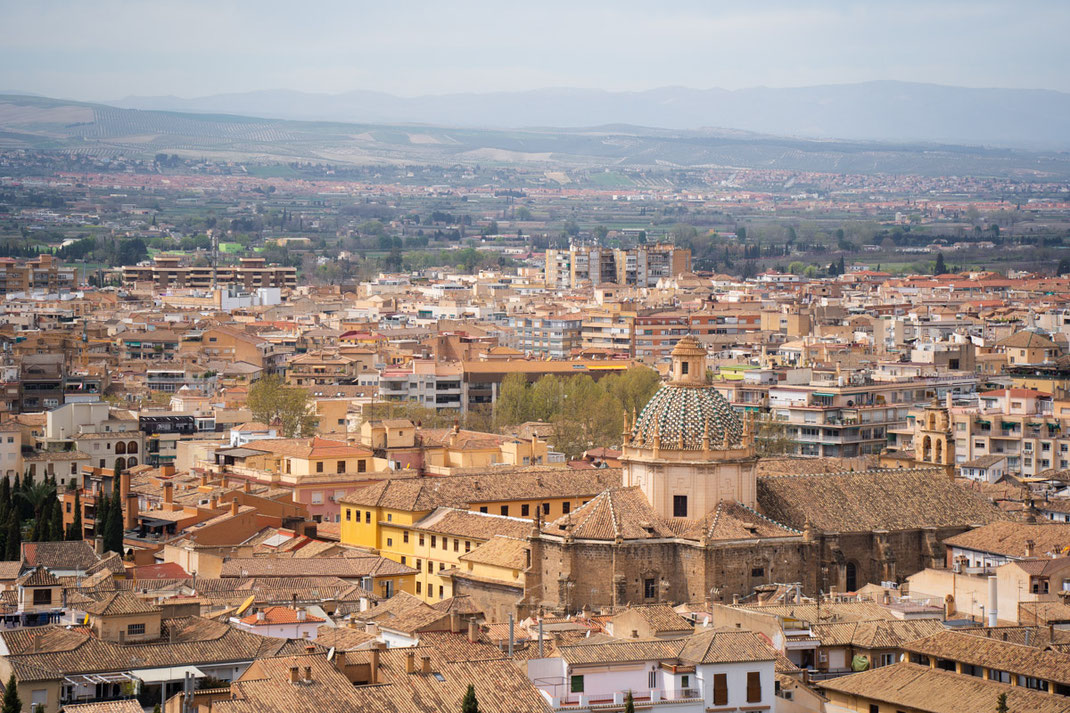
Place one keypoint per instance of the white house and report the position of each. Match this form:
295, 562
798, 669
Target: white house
280, 623
711, 670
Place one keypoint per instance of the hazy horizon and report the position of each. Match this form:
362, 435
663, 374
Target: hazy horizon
118, 48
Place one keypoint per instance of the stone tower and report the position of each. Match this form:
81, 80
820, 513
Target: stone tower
933, 440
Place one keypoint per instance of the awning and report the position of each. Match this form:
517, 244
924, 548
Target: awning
166, 675
827, 396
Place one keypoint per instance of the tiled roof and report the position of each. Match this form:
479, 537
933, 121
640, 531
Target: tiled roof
38, 577
490, 485
128, 705
500, 551
920, 688
344, 567
466, 523
1009, 538
992, 653
710, 646
897, 499
825, 612
660, 618
77, 554
875, 634
119, 604
686, 411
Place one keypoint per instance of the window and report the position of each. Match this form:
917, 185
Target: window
886, 659
42, 596
467, 546
368, 517
685, 682
341, 466
445, 543
317, 497
418, 587
683, 367
405, 537
440, 591
679, 506
430, 566
349, 515
390, 542
754, 687
389, 517
362, 466
650, 589
505, 510
135, 629
720, 689
524, 510
482, 508
652, 679
576, 684
319, 466
403, 558
433, 538
456, 544
757, 571
874, 708
566, 508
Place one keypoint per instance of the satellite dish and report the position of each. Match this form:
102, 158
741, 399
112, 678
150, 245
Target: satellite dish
330, 654
245, 605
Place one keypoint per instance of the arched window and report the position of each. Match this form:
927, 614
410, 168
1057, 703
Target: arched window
851, 576
120, 447
120, 464
938, 455
131, 462
131, 447
926, 448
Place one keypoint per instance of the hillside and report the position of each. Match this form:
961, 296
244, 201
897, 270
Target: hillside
28, 122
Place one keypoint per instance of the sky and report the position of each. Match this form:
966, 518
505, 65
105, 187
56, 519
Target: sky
109, 49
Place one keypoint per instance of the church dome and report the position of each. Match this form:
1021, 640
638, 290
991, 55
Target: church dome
685, 411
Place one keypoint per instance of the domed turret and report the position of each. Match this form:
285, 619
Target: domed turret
688, 450
686, 413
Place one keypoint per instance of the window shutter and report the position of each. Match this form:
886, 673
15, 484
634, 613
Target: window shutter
720, 689
754, 687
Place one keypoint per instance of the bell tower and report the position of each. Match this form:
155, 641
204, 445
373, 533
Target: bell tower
934, 443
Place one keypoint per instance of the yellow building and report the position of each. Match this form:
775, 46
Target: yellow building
421, 522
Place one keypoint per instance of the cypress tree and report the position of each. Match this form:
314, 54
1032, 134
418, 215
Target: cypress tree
629, 703
74, 530
470, 704
113, 533
5, 498
103, 514
13, 548
12, 704
55, 530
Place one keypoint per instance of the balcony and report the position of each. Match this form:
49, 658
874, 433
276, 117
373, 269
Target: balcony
642, 699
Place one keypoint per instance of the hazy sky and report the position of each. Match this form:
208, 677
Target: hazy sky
108, 49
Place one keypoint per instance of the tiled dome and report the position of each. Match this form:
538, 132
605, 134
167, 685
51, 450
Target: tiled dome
677, 409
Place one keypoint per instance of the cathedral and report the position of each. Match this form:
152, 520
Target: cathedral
692, 521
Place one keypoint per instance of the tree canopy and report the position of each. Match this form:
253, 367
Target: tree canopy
288, 408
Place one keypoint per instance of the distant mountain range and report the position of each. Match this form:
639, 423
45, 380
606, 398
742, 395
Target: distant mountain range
41, 123
873, 111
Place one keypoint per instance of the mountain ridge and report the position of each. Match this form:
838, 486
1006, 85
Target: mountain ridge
879, 110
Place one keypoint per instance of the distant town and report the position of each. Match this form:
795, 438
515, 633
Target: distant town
386, 437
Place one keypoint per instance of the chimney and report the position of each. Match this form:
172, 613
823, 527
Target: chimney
302, 614
124, 487
993, 601
234, 507
473, 631
98, 541
213, 502
169, 492
204, 479
260, 615
1030, 548
308, 674
246, 486
130, 512
455, 622
425, 664
410, 662
294, 674
340, 660
373, 676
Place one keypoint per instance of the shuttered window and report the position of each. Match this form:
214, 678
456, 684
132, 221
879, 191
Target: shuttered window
720, 689
754, 687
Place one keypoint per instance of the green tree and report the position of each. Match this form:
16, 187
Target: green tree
13, 549
633, 388
940, 268
113, 529
589, 417
74, 530
629, 703
12, 704
1001, 703
773, 438
286, 407
547, 397
796, 267
513, 405
468, 705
